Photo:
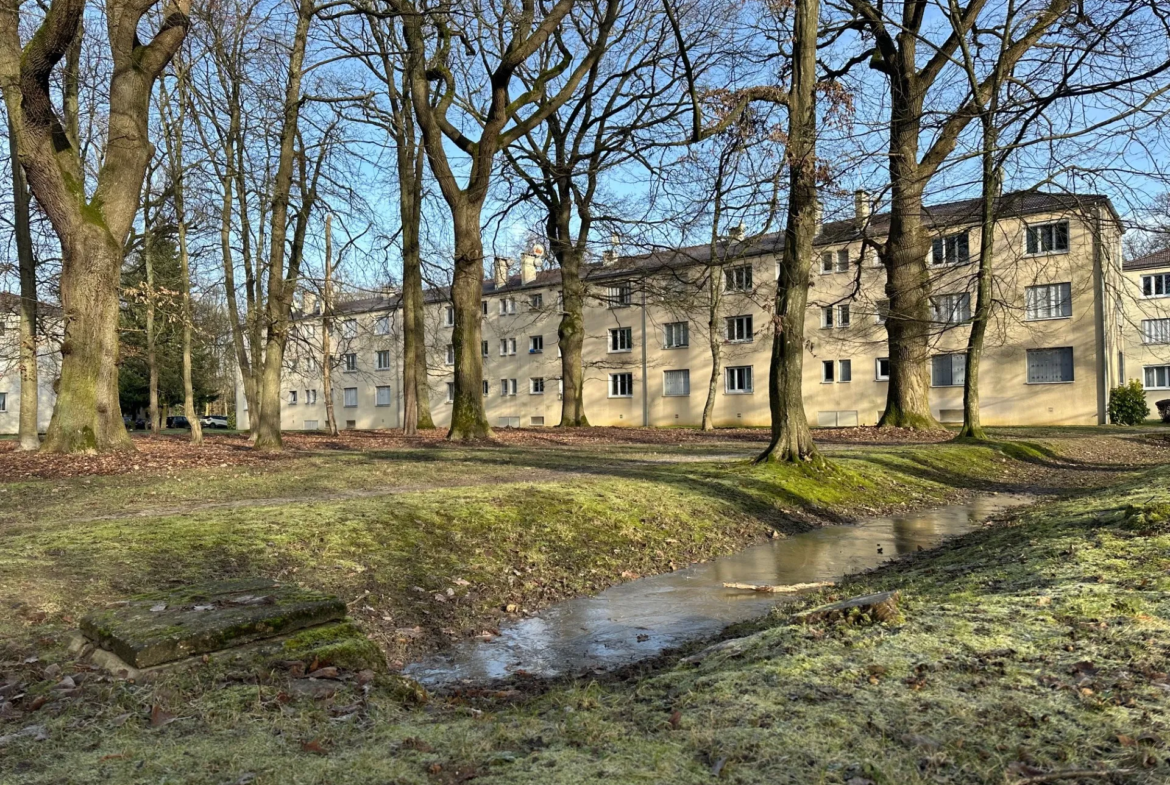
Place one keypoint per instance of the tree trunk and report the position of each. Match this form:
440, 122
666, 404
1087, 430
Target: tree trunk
715, 344
151, 349
972, 427
327, 331
791, 438
29, 373
468, 421
415, 388
188, 317
88, 417
571, 339
904, 257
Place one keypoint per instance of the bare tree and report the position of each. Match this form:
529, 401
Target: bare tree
517, 34
26, 259
92, 229
327, 330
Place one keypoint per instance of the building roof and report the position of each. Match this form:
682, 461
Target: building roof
10, 304
967, 211
1151, 261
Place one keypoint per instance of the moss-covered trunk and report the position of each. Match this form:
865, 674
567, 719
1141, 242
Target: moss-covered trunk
88, 417
571, 330
791, 438
468, 420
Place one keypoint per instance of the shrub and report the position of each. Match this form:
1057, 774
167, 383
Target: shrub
1127, 404
1164, 409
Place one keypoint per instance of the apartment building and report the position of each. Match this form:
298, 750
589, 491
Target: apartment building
1145, 303
657, 324
48, 364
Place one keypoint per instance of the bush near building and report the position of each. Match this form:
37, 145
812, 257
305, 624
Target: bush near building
1127, 404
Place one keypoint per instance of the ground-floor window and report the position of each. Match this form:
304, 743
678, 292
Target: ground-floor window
310, 397
536, 385
1050, 366
948, 370
881, 369
382, 396
676, 383
1157, 378
3, 401
350, 397
738, 380
621, 385
311, 425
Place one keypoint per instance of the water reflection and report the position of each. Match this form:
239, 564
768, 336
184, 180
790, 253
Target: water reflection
642, 618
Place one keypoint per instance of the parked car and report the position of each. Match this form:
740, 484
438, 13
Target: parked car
214, 421
178, 421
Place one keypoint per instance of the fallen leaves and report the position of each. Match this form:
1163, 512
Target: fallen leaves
160, 718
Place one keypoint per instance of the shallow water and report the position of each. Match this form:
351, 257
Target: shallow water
642, 618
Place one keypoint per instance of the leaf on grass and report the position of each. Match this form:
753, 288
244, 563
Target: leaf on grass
159, 718
314, 747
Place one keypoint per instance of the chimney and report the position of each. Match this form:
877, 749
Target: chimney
609, 256
861, 206
818, 215
309, 299
738, 232
527, 268
500, 271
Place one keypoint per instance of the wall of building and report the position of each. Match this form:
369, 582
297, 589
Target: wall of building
1141, 354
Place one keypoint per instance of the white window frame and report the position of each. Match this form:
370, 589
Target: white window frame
536, 344
349, 361
616, 335
536, 301
828, 372
841, 263
740, 329
843, 316
827, 317
1072, 364
310, 397
1038, 302
686, 383
484, 349
619, 382
950, 250
450, 392
620, 295
450, 358
827, 265
292, 397
487, 388
450, 315
348, 328
738, 380
951, 358
382, 325
378, 393
844, 368
671, 332
954, 307
346, 396
1036, 232
878, 376
1147, 376
507, 306
1155, 331
1151, 282
881, 311
536, 385
738, 278
379, 356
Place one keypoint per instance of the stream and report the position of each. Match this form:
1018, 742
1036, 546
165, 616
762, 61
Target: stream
642, 618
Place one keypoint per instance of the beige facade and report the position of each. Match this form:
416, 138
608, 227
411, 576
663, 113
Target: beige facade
48, 364
1145, 303
1054, 349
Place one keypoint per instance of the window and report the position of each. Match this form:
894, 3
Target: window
1157, 285
311, 425
486, 388
537, 419
507, 346
844, 371
351, 425
382, 359
535, 344
620, 296
842, 315
677, 335
948, 370
952, 249
826, 316
739, 329
828, 371
739, 279
1051, 301
827, 262
621, 339
1157, 378
450, 392
450, 315
951, 308
310, 397
881, 311
483, 348
349, 328
1156, 330
349, 397
1050, 366
349, 362
881, 369
507, 306
676, 383
484, 306
536, 385
621, 385
292, 397
450, 354
381, 396
1048, 238
536, 302
738, 380
507, 386
382, 325
843, 260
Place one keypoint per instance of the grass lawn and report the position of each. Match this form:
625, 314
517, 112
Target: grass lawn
392, 530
